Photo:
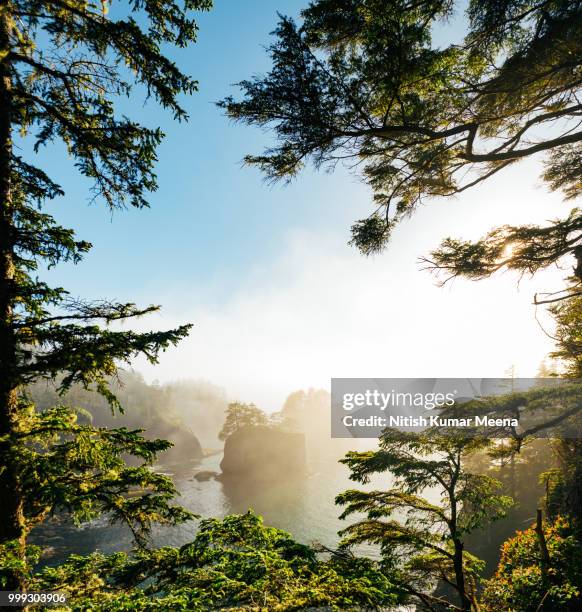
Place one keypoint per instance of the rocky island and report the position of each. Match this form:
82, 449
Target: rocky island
263, 453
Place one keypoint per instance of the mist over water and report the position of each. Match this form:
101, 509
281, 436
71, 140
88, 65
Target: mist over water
296, 500
303, 506
190, 414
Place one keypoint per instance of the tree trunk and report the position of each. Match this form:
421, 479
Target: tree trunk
460, 575
543, 546
458, 543
12, 523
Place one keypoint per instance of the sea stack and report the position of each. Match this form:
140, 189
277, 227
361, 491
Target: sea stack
263, 453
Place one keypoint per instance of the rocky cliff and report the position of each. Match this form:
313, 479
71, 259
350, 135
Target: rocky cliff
263, 453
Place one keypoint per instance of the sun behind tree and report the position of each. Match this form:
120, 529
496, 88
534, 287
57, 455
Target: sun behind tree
363, 82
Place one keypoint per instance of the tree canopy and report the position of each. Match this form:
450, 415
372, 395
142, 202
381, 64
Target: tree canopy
241, 415
568, 334
521, 583
422, 538
363, 82
236, 563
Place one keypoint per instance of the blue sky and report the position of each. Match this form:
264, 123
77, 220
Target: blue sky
210, 218
278, 299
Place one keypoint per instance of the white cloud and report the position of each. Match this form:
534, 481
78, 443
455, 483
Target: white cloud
321, 310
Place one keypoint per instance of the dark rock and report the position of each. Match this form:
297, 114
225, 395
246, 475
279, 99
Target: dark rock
263, 453
186, 445
205, 475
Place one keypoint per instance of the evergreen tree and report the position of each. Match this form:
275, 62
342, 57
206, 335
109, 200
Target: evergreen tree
568, 335
63, 65
422, 538
565, 485
241, 415
363, 81
237, 563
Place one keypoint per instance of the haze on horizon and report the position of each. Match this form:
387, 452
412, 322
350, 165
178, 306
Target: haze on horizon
320, 310
278, 299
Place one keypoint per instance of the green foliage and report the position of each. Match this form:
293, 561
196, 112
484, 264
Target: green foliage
519, 471
371, 235
241, 415
568, 335
63, 66
79, 469
564, 485
526, 248
548, 409
14, 562
146, 406
235, 563
363, 81
421, 521
521, 585
64, 88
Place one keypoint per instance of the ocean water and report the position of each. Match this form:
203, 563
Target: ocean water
303, 506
